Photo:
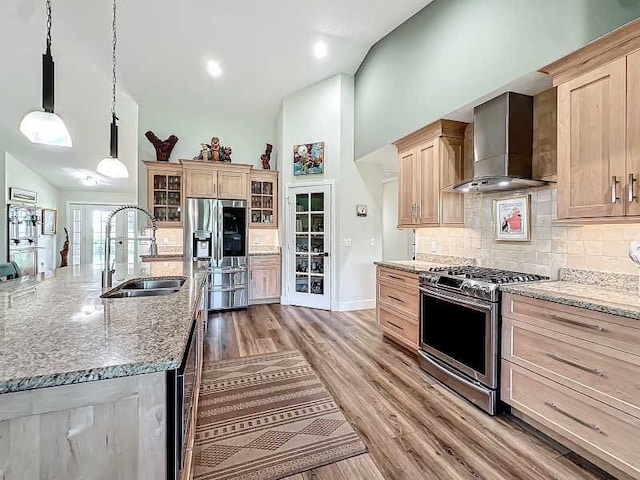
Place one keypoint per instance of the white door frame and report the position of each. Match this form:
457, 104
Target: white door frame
289, 246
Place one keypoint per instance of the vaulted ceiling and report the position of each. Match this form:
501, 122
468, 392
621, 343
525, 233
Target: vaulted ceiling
263, 47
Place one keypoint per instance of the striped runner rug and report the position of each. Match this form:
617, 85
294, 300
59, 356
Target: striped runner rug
267, 417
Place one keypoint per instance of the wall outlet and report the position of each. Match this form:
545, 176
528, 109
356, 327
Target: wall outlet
165, 240
434, 247
373, 242
257, 240
347, 242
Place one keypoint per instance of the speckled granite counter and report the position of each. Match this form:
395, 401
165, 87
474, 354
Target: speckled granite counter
409, 265
264, 253
56, 330
424, 263
597, 291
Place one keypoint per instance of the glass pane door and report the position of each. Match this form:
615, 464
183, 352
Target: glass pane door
311, 260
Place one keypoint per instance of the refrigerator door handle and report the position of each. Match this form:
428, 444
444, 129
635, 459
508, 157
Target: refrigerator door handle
220, 230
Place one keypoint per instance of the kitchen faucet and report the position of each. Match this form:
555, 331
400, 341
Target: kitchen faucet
108, 270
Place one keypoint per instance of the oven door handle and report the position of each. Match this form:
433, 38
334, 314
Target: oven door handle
457, 299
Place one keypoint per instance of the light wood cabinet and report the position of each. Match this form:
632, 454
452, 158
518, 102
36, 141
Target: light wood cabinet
591, 143
264, 199
264, 278
398, 306
429, 160
165, 192
577, 373
104, 429
216, 180
599, 129
201, 182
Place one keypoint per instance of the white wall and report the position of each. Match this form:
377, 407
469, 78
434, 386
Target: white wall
18, 175
325, 112
396, 243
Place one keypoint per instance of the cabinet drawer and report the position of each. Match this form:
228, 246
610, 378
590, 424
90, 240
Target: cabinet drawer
598, 428
601, 328
398, 276
398, 324
399, 297
608, 375
264, 260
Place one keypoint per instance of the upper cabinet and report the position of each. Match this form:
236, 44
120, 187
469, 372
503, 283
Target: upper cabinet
429, 160
165, 192
264, 199
599, 128
216, 180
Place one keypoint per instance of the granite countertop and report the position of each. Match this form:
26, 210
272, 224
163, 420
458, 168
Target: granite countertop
258, 254
598, 291
56, 330
410, 266
163, 257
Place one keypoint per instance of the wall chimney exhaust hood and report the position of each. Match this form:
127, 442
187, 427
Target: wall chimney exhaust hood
502, 145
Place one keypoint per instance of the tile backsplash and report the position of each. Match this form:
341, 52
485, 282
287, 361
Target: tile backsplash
170, 240
592, 247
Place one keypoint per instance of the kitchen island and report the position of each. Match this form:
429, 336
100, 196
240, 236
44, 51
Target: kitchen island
84, 380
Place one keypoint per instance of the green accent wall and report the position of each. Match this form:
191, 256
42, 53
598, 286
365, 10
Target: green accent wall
455, 51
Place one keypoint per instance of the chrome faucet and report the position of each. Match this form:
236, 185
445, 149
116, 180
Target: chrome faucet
108, 270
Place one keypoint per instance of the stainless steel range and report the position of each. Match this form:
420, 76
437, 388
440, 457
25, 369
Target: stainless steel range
460, 329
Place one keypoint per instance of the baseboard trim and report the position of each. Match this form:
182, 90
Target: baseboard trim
351, 306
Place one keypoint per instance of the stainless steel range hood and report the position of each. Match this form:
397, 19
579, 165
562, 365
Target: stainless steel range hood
502, 144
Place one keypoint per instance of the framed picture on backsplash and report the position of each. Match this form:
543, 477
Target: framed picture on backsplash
511, 219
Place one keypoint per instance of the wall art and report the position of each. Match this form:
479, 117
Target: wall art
308, 158
511, 219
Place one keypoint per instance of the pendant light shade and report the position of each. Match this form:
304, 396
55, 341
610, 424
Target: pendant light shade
111, 166
44, 126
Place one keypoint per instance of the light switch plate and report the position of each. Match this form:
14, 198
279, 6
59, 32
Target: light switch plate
434, 247
347, 242
373, 242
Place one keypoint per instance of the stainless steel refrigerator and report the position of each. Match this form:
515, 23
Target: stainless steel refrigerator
217, 231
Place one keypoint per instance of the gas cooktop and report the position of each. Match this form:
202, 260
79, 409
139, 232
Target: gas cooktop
472, 281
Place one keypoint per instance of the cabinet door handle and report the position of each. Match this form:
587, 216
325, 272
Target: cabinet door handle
577, 324
396, 278
417, 210
397, 326
614, 189
630, 189
574, 418
593, 371
395, 298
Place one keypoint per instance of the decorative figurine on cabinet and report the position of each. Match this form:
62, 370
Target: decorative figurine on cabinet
215, 149
225, 154
163, 147
266, 157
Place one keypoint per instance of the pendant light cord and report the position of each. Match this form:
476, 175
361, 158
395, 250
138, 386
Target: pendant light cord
49, 26
115, 44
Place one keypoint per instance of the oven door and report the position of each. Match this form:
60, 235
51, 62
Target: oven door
461, 332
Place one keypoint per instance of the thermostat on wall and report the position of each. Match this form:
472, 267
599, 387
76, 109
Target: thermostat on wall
361, 210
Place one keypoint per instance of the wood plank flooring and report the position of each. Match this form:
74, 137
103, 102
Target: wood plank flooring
414, 428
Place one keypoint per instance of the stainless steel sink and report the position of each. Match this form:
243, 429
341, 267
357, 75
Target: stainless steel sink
140, 293
146, 288
154, 284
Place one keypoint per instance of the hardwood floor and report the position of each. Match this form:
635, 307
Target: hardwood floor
413, 427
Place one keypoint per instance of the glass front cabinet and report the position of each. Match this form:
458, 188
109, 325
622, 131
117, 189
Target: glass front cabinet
165, 193
264, 199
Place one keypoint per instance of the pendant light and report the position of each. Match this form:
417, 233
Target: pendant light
110, 166
44, 126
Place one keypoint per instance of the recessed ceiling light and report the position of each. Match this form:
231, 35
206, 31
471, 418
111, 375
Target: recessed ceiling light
214, 69
466, 189
503, 183
320, 50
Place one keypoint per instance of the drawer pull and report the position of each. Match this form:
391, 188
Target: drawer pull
396, 278
397, 326
395, 298
577, 324
595, 428
593, 371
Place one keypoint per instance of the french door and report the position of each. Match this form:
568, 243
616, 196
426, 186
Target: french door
309, 247
87, 234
